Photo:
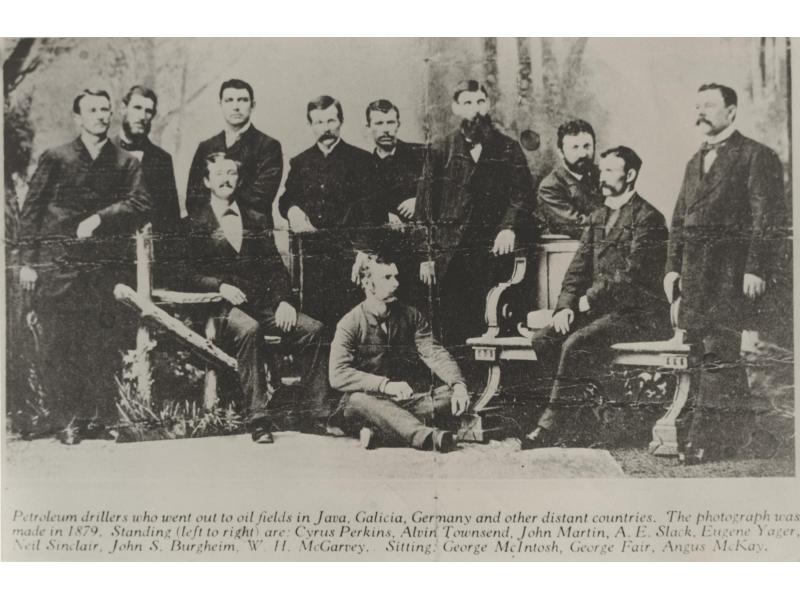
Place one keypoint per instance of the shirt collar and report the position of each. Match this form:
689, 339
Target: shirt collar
617, 202
220, 206
92, 145
231, 137
370, 310
381, 153
722, 135
327, 151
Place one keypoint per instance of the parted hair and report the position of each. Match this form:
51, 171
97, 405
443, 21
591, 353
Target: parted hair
76, 104
323, 102
214, 158
728, 93
145, 92
468, 85
383, 106
628, 156
237, 84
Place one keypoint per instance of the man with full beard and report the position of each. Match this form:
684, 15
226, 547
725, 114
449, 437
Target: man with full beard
476, 189
140, 106
569, 194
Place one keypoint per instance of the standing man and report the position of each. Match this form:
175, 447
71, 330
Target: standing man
720, 257
232, 255
140, 106
85, 200
571, 192
398, 164
397, 171
610, 293
330, 194
382, 358
259, 154
476, 189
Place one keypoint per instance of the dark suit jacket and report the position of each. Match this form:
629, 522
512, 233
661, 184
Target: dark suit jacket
336, 191
159, 180
257, 269
363, 355
67, 187
619, 272
260, 173
723, 227
471, 202
564, 203
397, 177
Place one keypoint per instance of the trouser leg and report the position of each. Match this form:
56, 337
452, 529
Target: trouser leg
242, 333
392, 419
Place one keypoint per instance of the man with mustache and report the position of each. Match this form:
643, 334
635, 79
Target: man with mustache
84, 202
383, 357
722, 249
397, 170
140, 106
570, 192
260, 155
330, 194
230, 252
610, 293
476, 189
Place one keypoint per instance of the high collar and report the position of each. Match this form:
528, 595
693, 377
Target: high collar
233, 136
374, 310
328, 151
617, 202
220, 206
92, 145
722, 135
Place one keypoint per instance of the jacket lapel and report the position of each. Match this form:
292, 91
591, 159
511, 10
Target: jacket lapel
624, 222
727, 157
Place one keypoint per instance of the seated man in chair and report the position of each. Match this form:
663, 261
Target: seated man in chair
610, 293
378, 359
231, 252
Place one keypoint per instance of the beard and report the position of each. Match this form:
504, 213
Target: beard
583, 166
386, 142
477, 129
126, 127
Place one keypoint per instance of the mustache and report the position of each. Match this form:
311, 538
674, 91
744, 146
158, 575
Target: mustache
702, 120
327, 136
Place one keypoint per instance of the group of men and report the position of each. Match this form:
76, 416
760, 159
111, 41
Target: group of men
474, 194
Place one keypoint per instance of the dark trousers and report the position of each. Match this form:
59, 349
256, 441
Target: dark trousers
722, 410
242, 332
83, 334
407, 421
584, 354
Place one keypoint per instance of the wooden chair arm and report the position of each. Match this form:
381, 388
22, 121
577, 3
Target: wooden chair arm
172, 297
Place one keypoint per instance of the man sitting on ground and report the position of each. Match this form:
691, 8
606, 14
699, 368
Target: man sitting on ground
378, 359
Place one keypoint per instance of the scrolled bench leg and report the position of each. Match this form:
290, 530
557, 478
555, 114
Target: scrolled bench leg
665, 432
472, 426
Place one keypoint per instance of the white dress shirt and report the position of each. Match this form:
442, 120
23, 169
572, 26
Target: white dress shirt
615, 203
475, 152
93, 145
711, 155
326, 150
230, 220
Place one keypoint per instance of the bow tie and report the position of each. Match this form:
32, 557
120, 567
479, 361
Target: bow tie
131, 146
706, 147
230, 212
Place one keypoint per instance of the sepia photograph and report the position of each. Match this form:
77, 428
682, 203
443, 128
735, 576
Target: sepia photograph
334, 298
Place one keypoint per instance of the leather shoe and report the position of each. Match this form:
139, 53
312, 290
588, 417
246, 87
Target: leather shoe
261, 432
691, 455
368, 438
443, 441
538, 438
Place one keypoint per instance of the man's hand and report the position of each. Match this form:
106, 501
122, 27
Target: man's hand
459, 401
399, 390
27, 278
753, 286
583, 304
87, 226
298, 220
285, 316
232, 294
669, 284
562, 320
504, 242
360, 261
407, 207
427, 272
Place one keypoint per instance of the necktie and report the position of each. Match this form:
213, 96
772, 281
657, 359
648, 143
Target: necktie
135, 146
709, 154
613, 215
